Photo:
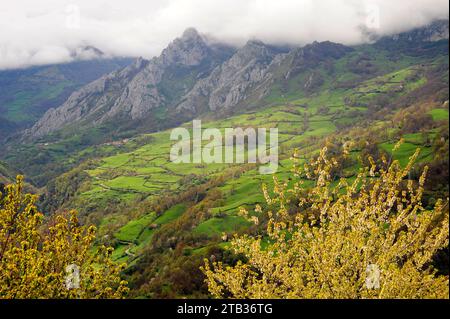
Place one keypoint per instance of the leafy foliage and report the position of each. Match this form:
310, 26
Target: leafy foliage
34, 257
325, 248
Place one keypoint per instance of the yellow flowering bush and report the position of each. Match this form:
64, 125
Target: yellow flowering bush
55, 260
362, 237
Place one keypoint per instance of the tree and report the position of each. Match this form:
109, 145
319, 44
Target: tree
363, 238
52, 260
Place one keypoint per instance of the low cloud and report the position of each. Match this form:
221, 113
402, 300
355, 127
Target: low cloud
54, 31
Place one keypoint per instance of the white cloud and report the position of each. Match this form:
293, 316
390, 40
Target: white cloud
49, 31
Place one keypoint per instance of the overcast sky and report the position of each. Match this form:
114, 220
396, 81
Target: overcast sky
36, 32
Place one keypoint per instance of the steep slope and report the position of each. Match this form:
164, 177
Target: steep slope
131, 93
230, 82
89, 102
26, 94
190, 78
247, 78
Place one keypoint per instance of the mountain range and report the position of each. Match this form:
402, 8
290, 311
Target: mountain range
193, 76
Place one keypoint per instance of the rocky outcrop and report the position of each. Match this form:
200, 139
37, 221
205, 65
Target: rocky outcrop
143, 93
251, 71
230, 82
189, 50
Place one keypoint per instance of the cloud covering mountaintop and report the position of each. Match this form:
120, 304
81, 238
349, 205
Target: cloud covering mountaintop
54, 31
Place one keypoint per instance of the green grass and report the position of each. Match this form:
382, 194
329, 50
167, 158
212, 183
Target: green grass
405, 151
118, 254
171, 214
137, 233
217, 226
439, 114
131, 231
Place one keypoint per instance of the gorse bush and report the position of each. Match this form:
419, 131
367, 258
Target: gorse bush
365, 237
38, 260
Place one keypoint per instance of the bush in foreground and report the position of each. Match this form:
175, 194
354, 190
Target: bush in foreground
52, 260
367, 237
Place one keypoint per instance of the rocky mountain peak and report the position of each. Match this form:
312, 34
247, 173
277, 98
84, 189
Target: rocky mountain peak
230, 83
190, 49
254, 46
191, 34
254, 43
140, 62
253, 50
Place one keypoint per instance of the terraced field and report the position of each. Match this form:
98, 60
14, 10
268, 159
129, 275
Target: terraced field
136, 234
